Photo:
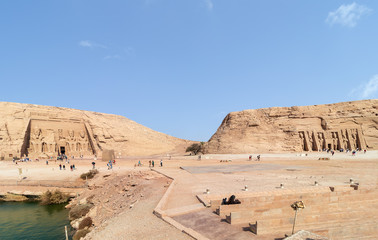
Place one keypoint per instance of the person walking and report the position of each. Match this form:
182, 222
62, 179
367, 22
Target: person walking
153, 163
161, 162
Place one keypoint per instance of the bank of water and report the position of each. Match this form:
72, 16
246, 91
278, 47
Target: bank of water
23, 220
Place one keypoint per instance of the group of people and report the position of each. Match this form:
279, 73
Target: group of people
342, 150
109, 164
62, 166
151, 163
257, 158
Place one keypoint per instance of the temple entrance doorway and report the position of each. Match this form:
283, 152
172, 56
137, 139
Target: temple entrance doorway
62, 150
329, 146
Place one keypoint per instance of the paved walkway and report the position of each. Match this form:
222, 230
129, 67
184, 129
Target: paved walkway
213, 227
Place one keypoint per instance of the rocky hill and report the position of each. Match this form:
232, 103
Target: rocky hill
43, 131
346, 125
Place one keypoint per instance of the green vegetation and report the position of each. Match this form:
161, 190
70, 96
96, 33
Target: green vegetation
56, 197
195, 148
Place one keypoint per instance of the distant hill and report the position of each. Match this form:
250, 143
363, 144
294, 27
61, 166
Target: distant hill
346, 125
43, 131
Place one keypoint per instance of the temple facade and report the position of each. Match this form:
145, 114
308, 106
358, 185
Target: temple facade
53, 138
335, 139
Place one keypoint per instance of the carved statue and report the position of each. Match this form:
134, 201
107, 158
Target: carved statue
301, 137
82, 134
321, 140
334, 140
44, 147
311, 141
31, 148
60, 134
37, 132
71, 133
78, 147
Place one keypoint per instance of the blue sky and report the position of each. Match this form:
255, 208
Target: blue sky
179, 67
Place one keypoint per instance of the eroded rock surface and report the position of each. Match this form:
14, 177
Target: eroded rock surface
43, 131
346, 125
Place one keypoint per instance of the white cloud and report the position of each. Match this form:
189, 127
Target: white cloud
370, 89
347, 15
209, 4
112, 57
89, 44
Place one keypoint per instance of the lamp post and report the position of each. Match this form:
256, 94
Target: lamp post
296, 206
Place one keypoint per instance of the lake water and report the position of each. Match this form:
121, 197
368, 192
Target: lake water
31, 221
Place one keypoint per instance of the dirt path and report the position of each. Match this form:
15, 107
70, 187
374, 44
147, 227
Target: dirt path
139, 222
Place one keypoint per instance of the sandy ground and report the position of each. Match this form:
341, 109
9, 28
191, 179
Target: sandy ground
137, 221
291, 169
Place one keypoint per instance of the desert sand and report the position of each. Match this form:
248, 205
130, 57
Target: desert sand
173, 191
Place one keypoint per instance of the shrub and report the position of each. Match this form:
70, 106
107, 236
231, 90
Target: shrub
195, 148
89, 175
56, 197
86, 222
78, 211
80, 234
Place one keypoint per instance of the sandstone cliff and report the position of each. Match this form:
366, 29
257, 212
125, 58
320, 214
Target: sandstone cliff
43, 131
346, 125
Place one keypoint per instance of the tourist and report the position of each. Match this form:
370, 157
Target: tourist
364, 150
250, 157
139, 163
153, 163
149, 163
161, 162
64, 167
93, 165
47, 162
60, 166
73, 166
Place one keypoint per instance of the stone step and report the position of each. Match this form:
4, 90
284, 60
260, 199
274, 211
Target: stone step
285, 225
320, 213
261, 203
272, 212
